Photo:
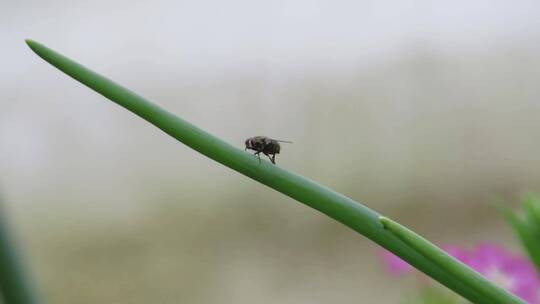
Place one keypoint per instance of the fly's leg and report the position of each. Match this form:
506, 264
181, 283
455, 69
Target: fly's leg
271, 157
257, 153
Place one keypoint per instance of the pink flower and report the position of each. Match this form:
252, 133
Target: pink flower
512, 272
395, 264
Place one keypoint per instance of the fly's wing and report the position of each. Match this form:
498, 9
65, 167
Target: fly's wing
283, 141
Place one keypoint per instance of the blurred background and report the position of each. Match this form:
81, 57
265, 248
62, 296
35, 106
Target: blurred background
425, 111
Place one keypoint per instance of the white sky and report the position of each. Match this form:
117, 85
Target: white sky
279, 35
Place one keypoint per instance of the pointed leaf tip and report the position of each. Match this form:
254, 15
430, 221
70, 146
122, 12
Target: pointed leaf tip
32, 44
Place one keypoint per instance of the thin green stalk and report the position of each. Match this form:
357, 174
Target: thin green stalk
337, 206
15, 284
445, 261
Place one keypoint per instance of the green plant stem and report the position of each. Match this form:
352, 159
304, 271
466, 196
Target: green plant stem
337, 206
15, 285
446, 261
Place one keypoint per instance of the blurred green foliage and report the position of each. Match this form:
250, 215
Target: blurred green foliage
526, 225
16, 286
